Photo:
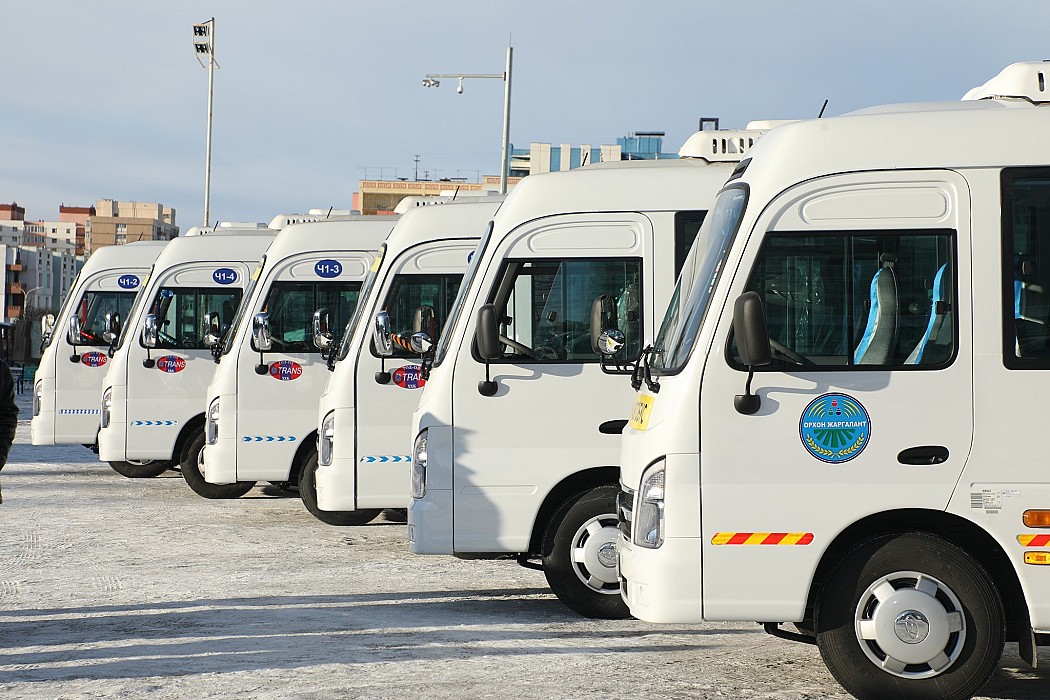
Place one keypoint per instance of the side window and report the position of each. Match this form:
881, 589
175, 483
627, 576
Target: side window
291, 306
544, 306
858, 299
1026, 268
420, 300
686, 225
179, 312
92, 312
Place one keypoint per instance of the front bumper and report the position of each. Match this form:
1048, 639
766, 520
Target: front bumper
662, 585
112, 441
430, 523
220, 461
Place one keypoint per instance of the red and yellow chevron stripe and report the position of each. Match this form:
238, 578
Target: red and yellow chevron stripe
763, 538
1034, 540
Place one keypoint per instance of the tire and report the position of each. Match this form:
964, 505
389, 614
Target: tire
396, 515
942, 630
143, 469
191, 471
308, 493
580, 565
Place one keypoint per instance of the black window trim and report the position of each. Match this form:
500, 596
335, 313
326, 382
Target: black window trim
1007, 177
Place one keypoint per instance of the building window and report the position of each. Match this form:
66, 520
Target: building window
122, 228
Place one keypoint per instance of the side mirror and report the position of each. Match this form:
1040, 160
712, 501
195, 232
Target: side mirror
421, 343
610, 342
382, 336
752, 343
149, 331
73, 336
111, 326
487, 338
423, 320
488, 334
211, 329
323, 336
603, 317
261, 332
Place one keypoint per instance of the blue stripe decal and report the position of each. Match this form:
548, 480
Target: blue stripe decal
386, 458
79, 411
148, 423
268, 438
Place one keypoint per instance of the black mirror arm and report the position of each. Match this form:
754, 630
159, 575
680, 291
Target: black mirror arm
747, 403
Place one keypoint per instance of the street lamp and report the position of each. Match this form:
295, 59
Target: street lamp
25, 300
434, 80
204, 48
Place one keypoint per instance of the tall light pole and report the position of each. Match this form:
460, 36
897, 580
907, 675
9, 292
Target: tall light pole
434, 80
204, 46
25, 300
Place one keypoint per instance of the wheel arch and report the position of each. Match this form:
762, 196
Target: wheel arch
573, 484
307, 446
961, 532
186, 436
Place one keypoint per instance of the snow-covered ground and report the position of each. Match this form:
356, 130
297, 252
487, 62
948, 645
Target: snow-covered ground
120, 588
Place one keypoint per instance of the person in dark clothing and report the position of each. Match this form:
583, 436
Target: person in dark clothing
8, 414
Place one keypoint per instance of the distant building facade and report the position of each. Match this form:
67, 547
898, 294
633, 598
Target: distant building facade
117, 223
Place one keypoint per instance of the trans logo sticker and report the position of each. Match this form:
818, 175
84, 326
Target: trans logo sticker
171, 364
286, 370
94, 359
224, 275
835, 428
128, 282
407, 377
328, 269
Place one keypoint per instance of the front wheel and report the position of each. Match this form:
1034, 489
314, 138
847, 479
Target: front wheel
141, 469
581, 564
308, 492
192, 465
910, 616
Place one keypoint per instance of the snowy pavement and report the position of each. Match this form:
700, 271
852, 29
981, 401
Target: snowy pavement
120, 588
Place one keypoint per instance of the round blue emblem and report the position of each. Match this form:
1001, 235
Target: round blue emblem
224, 275
328, 269
127, 281
835, 428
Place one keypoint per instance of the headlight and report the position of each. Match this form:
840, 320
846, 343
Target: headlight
107, 406
649, 515
419, 465
326, 441
212, 432
38, 393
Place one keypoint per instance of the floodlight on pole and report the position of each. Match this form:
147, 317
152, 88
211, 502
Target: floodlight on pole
204, 49
433, 80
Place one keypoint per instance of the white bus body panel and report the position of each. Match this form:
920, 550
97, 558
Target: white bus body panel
69, 391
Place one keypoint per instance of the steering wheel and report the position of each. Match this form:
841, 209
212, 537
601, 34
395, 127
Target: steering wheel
546, 352
787, 352
515, 345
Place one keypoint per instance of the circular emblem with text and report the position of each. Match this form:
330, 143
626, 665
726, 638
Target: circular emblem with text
835, 428
224, 275
94, 359
128, 282
171, 364
328, 269
407, 377
286, 370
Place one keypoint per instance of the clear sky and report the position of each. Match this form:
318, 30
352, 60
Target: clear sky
105, 99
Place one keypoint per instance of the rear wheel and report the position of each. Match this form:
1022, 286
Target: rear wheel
192, 466
581, 564
308, 492
141, 469
910, 616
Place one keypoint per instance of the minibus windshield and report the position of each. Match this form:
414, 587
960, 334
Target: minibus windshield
461, 297
139, 296
366, 292
685, 313
242, 308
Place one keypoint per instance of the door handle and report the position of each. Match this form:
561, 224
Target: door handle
926, 454
612, 427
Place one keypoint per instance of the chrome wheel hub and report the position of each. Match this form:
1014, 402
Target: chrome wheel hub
594, 554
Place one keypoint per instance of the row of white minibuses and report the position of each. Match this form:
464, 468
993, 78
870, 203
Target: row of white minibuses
815, 436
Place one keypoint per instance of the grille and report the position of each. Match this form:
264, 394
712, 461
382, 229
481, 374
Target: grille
625, 511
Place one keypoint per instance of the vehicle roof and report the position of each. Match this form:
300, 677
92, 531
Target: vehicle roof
246, 245
138, 254
340, 234
466, 219
640, 185
967, 134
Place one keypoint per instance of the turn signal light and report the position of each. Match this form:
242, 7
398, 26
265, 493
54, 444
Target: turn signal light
1036, 518
1037, 557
